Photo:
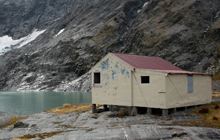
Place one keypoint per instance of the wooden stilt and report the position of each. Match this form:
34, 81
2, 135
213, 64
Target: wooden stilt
105, 107
133, 111
174, 110
149, 111
94, 108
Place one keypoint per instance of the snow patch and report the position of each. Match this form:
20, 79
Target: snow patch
60, 32
30, 37
7, 43
145, 4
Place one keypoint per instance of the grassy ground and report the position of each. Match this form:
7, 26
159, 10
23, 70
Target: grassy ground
39, 135
216, 94
209, 116
216, 76
67, 108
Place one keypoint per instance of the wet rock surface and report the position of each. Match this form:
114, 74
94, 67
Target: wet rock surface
79, 33
83, 126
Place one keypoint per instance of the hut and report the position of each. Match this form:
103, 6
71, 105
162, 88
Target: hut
150, 82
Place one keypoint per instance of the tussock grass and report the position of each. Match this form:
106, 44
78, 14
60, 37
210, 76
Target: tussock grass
216, 94
216, 76
38, 135
68, 108
209, 116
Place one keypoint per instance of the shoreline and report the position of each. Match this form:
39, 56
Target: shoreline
26, 103
67, 123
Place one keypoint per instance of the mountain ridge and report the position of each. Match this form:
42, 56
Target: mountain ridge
182, 32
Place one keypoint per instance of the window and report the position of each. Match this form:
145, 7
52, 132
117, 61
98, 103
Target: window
145, 79
97, 78
190, 84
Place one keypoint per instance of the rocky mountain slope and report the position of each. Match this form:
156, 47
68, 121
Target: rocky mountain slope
78, 33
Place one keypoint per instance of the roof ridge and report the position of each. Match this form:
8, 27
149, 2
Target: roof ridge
137, 55
147, 62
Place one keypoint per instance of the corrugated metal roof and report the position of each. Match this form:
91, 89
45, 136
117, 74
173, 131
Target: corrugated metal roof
153, 63
147, 62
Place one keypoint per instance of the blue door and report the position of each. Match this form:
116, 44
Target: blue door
190, 84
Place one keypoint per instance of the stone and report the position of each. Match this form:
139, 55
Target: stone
20, 125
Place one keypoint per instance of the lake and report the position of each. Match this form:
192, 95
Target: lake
26, 103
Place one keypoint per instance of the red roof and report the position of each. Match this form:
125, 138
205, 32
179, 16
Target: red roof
152, 63
147, 62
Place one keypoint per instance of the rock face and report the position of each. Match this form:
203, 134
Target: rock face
88, 126
80, 32
19, 17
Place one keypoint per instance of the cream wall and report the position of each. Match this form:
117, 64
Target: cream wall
177, 95
164, 90
115, 87
152, 94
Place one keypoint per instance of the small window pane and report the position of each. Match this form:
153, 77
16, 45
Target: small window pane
97, 78
189, 84
145, 79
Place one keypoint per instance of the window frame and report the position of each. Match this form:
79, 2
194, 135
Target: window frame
94, 81
147, 80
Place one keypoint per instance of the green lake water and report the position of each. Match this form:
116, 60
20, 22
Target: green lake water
26, 103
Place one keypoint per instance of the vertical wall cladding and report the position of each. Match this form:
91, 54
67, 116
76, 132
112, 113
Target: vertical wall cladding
115, 87
150, 94
178, 93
